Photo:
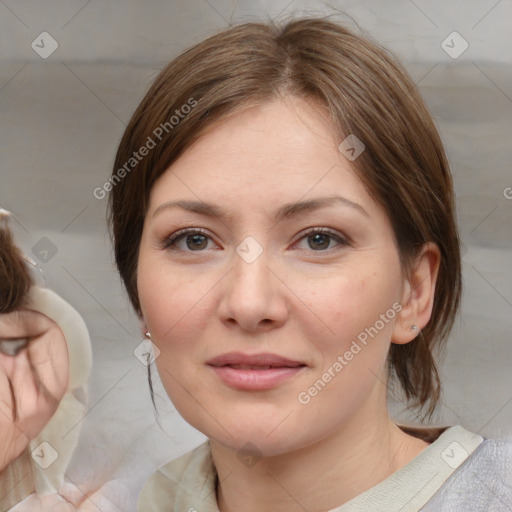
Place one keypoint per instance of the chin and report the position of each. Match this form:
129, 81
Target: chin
257, 443
269, 435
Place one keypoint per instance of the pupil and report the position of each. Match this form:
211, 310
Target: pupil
198, 242
320, 240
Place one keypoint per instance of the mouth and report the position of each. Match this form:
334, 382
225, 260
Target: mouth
254, 366
253, 361
255, 372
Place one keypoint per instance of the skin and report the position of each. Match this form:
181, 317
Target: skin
37, 377
295, 300
35, 380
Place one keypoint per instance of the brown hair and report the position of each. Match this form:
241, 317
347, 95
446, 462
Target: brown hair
15, 279
367, 93
15, 283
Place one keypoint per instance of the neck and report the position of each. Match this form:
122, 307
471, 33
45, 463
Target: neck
319, 477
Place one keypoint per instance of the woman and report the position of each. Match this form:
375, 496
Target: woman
45, 361
283, 219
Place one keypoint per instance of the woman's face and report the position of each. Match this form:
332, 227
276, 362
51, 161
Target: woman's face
270, 282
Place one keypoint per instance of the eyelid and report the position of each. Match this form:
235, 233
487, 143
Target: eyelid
341, 238
169, 240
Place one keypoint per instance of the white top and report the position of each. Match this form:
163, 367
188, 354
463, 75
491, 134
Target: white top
188, 483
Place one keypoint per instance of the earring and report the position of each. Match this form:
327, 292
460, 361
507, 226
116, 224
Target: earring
414, 327
148, 335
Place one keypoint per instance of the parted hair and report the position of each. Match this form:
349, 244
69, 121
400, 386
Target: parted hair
367, 93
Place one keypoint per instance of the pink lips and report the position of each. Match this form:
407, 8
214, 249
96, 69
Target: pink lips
254, 372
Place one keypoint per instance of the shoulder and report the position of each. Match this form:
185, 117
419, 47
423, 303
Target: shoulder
180, 484
483, 482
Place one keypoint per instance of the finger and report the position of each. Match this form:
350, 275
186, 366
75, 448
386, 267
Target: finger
26, 384
17, 387
6, 398
47, 347
30, 386
50, 360
33, 404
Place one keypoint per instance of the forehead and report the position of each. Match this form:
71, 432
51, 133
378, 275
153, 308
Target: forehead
282, 151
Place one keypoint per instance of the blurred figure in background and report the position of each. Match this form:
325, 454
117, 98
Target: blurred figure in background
45, 361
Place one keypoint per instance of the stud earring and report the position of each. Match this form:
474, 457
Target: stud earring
148, 335
414, 328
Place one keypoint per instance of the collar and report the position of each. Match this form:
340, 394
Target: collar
189, 483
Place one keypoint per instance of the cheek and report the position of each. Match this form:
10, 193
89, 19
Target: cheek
174, 308
172, 304
342, 307
353, 353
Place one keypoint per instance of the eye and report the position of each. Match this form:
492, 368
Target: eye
196, 240
320, 239
188, 240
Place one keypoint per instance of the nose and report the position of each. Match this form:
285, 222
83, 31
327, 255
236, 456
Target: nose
253, 297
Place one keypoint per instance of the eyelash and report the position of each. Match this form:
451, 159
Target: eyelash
170, 240
175, 237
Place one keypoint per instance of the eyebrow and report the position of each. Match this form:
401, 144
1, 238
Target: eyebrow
286, 211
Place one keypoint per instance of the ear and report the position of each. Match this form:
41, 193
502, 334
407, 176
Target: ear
418, 295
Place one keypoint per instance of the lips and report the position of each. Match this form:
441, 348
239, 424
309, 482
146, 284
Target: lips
258, 361
254, 372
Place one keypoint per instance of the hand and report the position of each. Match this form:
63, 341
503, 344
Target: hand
49, 503
33, 382
72, 499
